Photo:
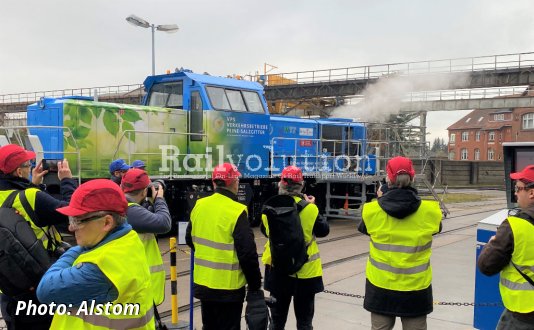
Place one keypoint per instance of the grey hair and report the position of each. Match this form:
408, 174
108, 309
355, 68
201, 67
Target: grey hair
403, 180
290, 189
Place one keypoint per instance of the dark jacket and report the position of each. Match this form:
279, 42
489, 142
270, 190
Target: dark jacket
157, 221
275, 282
497, 253
45, 205
247, 255
398, 203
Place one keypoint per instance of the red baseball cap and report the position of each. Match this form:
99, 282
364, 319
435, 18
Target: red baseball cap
96, 195
527, 174
225, 172
134, 179
12, 156
293, 173
399, 165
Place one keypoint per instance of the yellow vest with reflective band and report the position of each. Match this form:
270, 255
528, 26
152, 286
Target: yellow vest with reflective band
213, 221
312, 268
155, 263
39, 231
123, 262
400, 249
517, 294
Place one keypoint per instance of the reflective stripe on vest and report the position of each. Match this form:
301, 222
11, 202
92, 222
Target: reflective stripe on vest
313, 267
123, 262
155, 263
400, 249
17, 205
517, 294
213, 221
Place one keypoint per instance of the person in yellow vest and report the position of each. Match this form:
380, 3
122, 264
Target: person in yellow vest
15, 169
135, 184
226, 259
398, 271
308, 281
511, 253
104, 282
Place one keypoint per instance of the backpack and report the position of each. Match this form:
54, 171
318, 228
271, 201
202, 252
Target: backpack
286, 237
23, 258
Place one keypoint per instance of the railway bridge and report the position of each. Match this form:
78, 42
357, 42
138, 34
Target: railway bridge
496, 81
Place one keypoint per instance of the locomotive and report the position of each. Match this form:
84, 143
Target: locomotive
188, 123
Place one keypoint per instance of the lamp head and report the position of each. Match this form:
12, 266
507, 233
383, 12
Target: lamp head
137, 21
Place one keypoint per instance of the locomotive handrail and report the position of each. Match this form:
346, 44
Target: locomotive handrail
320, 157
125, 132
16, 131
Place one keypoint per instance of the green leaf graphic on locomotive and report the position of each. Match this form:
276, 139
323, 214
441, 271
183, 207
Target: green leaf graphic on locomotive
126, 126
111, 122
80, 132
85, 115
130, 115
96, 111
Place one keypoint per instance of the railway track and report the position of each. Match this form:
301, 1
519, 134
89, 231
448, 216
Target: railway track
342, 260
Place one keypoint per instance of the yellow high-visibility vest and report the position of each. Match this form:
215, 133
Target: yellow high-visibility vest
124, 263
517, 294
213, 221
400, 249
312, 267
39, 231
155, 263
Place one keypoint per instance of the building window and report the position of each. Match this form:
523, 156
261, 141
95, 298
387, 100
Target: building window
491, 154
528, 121
452, 138
477, 136
491, 136
477, 154
465, 136
452, 155
498, 117
464, 154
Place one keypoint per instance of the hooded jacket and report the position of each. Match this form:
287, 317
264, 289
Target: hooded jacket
398, 203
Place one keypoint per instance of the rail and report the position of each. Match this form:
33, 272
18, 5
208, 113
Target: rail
455, 65
30, 97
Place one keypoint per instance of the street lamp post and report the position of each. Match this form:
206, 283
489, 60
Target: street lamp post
169, 28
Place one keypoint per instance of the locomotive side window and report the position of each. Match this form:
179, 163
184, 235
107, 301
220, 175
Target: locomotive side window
252, 99
167, 95
236, 100
334, 137
218, 98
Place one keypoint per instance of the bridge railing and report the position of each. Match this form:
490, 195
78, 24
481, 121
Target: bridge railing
30, 97
467, 64
468, 94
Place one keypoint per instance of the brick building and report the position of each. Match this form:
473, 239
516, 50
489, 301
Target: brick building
480, 134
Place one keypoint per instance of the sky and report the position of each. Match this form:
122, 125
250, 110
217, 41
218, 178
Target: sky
61, 44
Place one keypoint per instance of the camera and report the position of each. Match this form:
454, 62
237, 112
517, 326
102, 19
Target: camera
156, 186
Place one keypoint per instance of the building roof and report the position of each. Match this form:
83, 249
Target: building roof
480, 119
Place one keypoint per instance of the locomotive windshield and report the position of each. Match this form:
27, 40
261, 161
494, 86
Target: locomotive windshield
167, 95
234, 100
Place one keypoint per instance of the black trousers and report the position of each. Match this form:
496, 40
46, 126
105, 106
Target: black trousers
8, 307
221, 315
303, 304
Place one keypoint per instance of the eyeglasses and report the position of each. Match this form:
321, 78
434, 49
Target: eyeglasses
76, 223
518, 189
25, 165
